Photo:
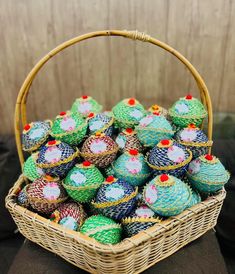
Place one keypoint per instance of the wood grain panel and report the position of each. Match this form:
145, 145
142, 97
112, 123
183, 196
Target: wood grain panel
112, 68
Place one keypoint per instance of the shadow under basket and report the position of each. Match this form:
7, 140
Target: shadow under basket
132, 255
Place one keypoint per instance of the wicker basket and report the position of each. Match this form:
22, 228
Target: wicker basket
132, 255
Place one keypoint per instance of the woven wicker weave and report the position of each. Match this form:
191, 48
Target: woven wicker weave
135, 254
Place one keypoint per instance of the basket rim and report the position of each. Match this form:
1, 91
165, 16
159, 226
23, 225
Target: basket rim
124, 245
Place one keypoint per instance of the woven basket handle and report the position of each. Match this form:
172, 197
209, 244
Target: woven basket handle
20, 109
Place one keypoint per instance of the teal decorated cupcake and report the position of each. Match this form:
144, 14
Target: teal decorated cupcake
187, 110
207, 174
30, 170
69, 127
132, 168
127, 139
86, 104
153, 128
82, 182
167, 195
128, 113
102, 229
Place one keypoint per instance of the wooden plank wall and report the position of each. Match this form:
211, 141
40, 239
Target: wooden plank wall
112, 68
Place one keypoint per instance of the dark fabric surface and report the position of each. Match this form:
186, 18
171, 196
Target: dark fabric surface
199, 257
8, 249
9, 172
225, 150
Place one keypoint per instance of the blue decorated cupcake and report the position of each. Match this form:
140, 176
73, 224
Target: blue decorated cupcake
153, 128
56, 158
115, 198
100, 123
167, 195
194, 139
140, 219
35, 135
170, 157
131, 167
207, 174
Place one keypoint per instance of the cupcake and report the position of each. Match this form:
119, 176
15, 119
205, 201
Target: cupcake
102, 229
128, 113
70, 215
46, 194
127, 139
99, 149
194, 139
69, 127
35, 135
156, 108
56, 158
22, 198
115, 198
140, 219
169, 157
187, 110
86, 104
207, 174
82, 182
153, 128
131, 167
100, 123
167, 195
195, 199
30, 170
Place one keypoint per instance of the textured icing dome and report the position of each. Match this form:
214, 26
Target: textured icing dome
167, 198
86, 104
128, 113
131, 167
153, 128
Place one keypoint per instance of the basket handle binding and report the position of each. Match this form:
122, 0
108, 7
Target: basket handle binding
20, 108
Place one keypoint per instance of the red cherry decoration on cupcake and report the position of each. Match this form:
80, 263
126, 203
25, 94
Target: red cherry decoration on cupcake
208, 157
189, 97
27, 127
84, 97
110, 179
131, 101
129, 130
165, 142
133, 152
164, 178
51, 143
62, 113
156, 113
86, 163
91, 114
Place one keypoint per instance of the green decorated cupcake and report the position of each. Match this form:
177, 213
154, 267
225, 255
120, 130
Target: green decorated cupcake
30, 170
82, 182
69, 127
187, 110
86, 104
102, 229
128, 113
